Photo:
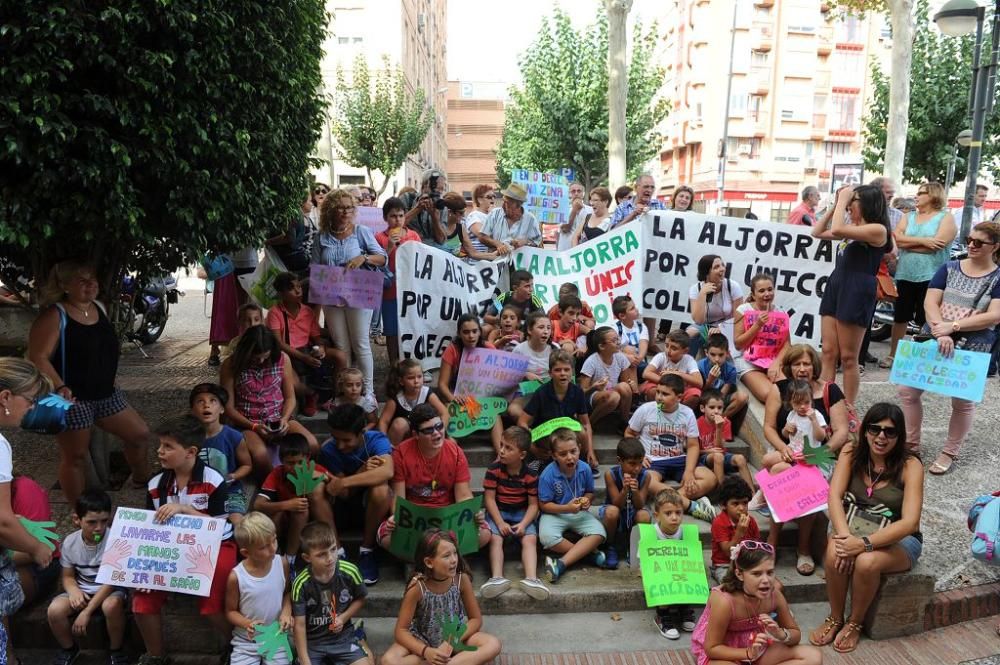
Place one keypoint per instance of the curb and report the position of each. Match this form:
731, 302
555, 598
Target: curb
954, 606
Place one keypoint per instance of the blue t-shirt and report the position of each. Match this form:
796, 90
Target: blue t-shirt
374, 444
543, 405
619, 478
554, 487
728, 376
219, 451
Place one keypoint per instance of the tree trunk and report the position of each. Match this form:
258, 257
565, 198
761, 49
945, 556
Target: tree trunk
617, 86
901, 18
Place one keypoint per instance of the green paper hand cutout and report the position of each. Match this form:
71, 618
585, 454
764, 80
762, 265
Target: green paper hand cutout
819, 456
550, 426
270, 639
40, 532
302, 478
452, 630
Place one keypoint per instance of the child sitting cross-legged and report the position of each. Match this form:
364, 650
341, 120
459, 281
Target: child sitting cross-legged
326, 595
719, 373
667, 515
733, 525
404, 389
627, 489
675, 360
257, 592
225, 449
279, 501
565, 494
607, 376
511, 500
186, 486
714, 431
82, 596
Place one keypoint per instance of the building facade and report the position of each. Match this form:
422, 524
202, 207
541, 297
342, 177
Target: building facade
800, 77
475, 127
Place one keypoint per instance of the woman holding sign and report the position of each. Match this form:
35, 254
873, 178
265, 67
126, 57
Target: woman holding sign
342, 243
876, 495
762, 333
962, 308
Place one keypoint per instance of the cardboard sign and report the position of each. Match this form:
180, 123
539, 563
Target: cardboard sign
921, 366
343, 287
673, 571
490, 373
413, 520
795, 492
548, 195
178, 556
468, 416
371, 218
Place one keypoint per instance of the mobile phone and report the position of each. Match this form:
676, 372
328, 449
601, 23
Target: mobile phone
274, 425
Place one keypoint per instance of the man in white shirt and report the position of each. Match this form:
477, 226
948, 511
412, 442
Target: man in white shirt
579, 211
510, 226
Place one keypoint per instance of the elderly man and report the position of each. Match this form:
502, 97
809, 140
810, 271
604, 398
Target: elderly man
508, 227
425, 217
579, 211
643, 202
805, 213
888, 188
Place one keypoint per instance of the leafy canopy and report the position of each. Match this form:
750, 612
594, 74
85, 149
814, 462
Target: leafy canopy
141, 134
378, 126
559, 118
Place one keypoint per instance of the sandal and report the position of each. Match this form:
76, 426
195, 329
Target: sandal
886, 363
941, 465
213, 360
805, 565
849, 629
830, 627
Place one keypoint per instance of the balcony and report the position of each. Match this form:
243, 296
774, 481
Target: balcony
759, 81
818, 131
763, 3
825, 45
822, 80
761, 123
762, 37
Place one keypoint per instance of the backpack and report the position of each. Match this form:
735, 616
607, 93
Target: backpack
984, 522
853, 422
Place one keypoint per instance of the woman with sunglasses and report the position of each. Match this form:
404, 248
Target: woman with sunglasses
876, 495
962, 308
860, 216
483, 197
924, 238
343, 243
429, 469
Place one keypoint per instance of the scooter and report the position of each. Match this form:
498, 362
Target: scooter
144, 316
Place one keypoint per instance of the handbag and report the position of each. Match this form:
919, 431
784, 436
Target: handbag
885, 287
217, 267
863, 521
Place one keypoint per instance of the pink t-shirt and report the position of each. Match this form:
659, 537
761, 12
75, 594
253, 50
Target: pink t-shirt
770, 338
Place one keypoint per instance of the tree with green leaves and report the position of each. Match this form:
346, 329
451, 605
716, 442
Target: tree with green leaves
379, 125
141, 135
939, 107
559, 117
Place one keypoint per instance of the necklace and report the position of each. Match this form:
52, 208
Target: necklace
433, 473
753, 616
84, 310
871, 487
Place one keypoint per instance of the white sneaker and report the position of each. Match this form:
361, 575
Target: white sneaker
703, 509
494, 586
534, 588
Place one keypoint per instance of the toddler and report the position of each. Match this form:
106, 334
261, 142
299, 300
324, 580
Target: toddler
714, 431
733, 525
351, 390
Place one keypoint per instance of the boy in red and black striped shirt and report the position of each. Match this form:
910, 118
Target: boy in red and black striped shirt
511, 499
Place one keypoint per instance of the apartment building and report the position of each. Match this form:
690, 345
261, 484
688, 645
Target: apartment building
800, 76
475, 127
413, 34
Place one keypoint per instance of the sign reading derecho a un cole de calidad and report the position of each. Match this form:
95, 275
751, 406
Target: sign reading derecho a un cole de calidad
178, 555
673, 571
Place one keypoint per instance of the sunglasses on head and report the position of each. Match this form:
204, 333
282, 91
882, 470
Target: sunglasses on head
888, 430
734, 552
428, 431
977, 243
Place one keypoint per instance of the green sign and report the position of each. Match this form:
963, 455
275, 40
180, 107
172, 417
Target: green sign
530, 387
673, 571
413, 520
547, 428
471, 414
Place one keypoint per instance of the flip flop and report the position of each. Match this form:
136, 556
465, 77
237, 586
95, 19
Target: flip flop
886, 363
849, 628
805, 565
941, 465
829, 628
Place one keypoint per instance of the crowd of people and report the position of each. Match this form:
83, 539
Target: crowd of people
676, 399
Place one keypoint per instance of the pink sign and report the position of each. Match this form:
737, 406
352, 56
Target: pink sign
371, 217
490, 373
795, 492
341, 287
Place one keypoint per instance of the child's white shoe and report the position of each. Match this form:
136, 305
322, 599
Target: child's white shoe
494, 586
534, 588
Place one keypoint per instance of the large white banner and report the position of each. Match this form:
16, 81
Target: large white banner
433, 289
672, 243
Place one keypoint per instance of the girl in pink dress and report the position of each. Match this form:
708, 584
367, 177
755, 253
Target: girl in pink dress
736, 626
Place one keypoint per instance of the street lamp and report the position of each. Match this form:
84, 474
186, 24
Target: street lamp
957, 18
963, 139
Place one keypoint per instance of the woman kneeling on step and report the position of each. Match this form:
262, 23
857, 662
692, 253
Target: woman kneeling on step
876, 495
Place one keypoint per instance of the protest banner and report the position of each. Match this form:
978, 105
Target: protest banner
795, 492
177, 556
434, 289
672, 242
602, 269
673, 571
344, 287
412, 520
490, 373
548, 195
919, 365
371, 218
471, 415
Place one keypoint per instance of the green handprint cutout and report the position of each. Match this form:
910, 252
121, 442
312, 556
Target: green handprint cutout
270, 639
819, 456
302, 478
40, 532
452, 630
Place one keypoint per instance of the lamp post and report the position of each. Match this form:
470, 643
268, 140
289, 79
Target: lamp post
958, 18
724, 143
963, 139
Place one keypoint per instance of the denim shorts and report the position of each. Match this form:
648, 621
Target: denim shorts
913, 547
11, 593
553, 526
511, 517
670, 468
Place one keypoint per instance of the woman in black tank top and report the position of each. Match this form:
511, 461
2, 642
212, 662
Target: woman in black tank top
74, 343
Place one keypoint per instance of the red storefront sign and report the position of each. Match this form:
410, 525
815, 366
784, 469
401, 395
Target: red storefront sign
732, 195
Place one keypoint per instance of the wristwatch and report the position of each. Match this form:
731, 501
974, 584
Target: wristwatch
868, 544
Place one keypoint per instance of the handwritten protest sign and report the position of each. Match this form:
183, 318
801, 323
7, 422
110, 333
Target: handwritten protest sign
919, 365
370, 217
795, 492
343, 287
463, 421
673, 571
177, 556
412, 520
550, 426
434, 288
490, 372
672, 242
602, 269
548, 195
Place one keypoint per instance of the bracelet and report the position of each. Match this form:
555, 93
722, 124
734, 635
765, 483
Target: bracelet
422, 652
787, 636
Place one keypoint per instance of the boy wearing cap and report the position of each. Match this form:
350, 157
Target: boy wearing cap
225, 449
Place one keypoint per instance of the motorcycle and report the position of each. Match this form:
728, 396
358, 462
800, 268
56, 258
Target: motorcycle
145, 308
